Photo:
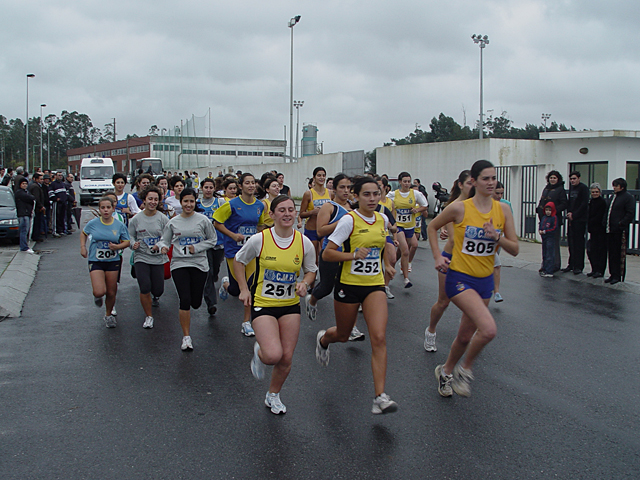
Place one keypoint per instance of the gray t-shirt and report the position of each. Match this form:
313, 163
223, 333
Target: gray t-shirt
148, 231
196, 230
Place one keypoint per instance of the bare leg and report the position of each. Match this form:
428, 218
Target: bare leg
375, 313
111, 279
404, 254
145, 301
185, 321
441, 304
496, 279
346, 316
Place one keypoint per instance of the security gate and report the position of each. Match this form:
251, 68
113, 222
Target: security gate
529, 202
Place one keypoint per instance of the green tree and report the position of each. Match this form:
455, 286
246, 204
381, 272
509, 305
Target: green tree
370, 161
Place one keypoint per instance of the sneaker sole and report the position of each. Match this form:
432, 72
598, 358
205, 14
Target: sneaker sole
376, 410
361, 338
437, 371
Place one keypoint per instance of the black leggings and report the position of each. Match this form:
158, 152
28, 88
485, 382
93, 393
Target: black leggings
150, 278
189, 283
328, 272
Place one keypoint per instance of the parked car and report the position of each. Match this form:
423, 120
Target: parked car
8, 215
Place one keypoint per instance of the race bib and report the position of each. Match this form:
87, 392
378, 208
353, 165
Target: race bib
183, 248
279, 285
321, 201
150, 242
246, 231
418, 221
103, 252
403, 215
476, 243
370, 265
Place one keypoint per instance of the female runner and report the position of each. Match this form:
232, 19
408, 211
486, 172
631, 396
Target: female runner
408, 203
461, 190
238, 220
310, 205
387, 203
173, 199
108, 237
191, 234
145, 231
271, 187
274, 299
362, 234
230, 187
126, 205
480, 225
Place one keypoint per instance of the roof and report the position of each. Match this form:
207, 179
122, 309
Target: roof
590, 134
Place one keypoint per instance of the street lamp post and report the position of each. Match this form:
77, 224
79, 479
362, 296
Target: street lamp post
42, 105
297, 104
26, 151
545, 117
48, 145
482, 42
292, 23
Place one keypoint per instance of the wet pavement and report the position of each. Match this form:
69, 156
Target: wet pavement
555, 394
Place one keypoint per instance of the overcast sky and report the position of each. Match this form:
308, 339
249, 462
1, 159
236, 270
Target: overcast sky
366, 70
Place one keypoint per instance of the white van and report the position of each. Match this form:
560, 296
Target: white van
95, 179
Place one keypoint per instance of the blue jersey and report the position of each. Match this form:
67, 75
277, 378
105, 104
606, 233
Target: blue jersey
338, 212
101, 236
239, 217
121, 204
209, 211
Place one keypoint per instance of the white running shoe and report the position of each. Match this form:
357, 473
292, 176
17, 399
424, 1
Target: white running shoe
498, 298
257, 367
113, 311
462, 381
409, 268
247, 330
155, 301
360, 308
430, 341
383, 404
187, 344
272, 401
356, 335
148, 322
444, 382
312, 310
407, 283
222, 293
322, 354
28, 250
110, 321
390, 295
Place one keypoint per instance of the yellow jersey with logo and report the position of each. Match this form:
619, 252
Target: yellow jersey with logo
318, 200
473, 252
367, 271
386, 202
268, 221
404, 217
277, 272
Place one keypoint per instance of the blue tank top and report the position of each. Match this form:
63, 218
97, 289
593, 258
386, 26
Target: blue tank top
209, 211
338, 212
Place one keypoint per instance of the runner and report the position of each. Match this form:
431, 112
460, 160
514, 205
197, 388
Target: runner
108, 237
498, 194
388, 204
145, 231
271, 189
126, 204
191, 234
408, 203
312, 200
239, 219
362, 233
480, 225
230, 188
173, 198
461, 190
208, 205
142, 182
274, 299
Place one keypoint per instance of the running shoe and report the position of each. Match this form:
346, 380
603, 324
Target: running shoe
407, 283
444, 382
312, 310
223, 291
148, 322
187, 344
272, 401
322, 354
498, 298
430, 341
247, 330
97, 301
462, 381
257, 367
28, 250
212, 310
155, 302
113, 311
356, 335
390, 295
383, 404
360, 308
110, 321
546, 275
409, 268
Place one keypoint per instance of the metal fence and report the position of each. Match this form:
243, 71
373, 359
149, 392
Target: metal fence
529, 202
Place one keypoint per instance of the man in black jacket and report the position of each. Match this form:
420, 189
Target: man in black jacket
24, 208
35, 189
621, 210
58, 197
577, 214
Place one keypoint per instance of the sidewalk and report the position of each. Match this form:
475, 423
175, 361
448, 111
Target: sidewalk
17, 271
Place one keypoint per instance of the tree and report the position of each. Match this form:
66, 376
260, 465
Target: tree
446, 129
499, 127
153, 130
370, 161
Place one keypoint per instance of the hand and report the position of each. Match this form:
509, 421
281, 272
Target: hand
238, 237
245, 298
570, 216
164, 250
390, 270
396, 243
83, 251
155, 249
299, 225
490, 231
192, 249
442, 264
136, 245
314, 212
361, 253
444, 234
301, 289
113, 246
126, 211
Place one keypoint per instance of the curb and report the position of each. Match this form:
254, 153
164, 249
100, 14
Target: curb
16, 282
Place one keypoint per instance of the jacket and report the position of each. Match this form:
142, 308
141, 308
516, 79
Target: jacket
620, 215
556, 194
597, 212
24, 203
578, 202
549, 224
39, 194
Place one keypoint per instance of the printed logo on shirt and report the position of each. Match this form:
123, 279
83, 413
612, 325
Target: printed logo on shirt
363, 230
296, 260
190, 240
271, 258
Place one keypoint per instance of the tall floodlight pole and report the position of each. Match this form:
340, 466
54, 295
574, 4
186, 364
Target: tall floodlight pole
292, 23
297, 104
545, 117
42, 105
49, 145
26, 151
482, 42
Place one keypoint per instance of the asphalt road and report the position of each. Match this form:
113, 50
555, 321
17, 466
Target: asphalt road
556, 393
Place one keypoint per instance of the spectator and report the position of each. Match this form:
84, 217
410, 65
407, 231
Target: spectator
621, 210
42, 198
554, 192
24, 207
577, 214
58, 197
2, 172
71, 201
597, 245
7, 177
548, 226
46, 188
17, 179
425, 214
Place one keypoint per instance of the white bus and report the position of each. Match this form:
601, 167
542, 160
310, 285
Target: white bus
95, 179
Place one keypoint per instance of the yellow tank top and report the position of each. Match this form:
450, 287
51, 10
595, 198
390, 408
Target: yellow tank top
318, 200
472, 252
268, 221
386, 202
277, 271
404, 217
366, 272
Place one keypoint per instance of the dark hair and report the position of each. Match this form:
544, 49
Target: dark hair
499, 185
278, 200
105, 198
339, 177
186, 192
554, 173
318, 169
243, 177
576, 173
264, 189
620, 182
175, 179
401, 175
456, 191
151, 188
157, 182
118, 175
228, 182
361, 182
280, 173
38, 175
208, 180
478, 167
417, 180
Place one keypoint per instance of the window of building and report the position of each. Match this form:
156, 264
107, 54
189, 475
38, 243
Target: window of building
138, 149
633, 176
591, 172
